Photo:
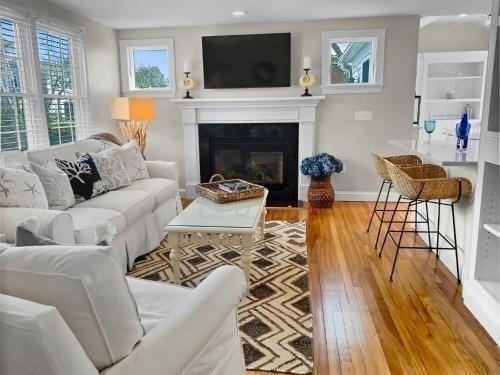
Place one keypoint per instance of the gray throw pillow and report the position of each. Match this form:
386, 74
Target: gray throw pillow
110, 166
56, 185
25, 237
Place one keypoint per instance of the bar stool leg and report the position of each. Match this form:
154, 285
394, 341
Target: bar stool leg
416, 216
376, 204
389, 227
437, 231
455, 241
428, 225
399, 242
383, 213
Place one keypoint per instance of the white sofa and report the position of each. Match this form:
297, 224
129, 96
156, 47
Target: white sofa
139, 212
45, 329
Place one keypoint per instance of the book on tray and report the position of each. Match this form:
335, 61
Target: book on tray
232, 186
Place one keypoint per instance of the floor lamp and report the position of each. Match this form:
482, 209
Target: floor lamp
133, 115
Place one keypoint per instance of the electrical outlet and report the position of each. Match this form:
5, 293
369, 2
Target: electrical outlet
363, 115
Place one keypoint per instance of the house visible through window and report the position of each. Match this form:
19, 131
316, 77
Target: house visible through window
43, 83
148, 67
353, 61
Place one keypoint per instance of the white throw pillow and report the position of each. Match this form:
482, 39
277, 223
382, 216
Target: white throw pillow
87, 286
56, 185
110, 166
133, 161
19, 188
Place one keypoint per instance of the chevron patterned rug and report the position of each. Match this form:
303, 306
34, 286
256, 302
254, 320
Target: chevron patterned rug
275, 319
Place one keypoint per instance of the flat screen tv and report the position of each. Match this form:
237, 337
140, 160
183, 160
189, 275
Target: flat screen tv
236, 61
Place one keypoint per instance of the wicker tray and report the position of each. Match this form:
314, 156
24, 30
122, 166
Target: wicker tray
212, 191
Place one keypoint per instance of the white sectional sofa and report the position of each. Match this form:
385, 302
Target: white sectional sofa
139, 212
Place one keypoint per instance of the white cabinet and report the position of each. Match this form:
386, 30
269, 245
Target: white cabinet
482, 284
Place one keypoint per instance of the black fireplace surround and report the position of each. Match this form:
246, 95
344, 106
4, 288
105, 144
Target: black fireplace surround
266, 154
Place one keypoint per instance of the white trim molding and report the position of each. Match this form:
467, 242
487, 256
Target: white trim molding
376, 80
300, 110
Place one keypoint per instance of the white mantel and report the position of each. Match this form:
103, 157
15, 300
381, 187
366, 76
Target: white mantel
301, 110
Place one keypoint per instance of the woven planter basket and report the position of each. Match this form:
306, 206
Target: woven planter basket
321, 193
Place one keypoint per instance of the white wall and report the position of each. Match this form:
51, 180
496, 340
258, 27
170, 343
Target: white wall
450, 38
102, 58
337, 132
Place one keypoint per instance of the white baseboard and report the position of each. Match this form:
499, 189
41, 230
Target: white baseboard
481, 304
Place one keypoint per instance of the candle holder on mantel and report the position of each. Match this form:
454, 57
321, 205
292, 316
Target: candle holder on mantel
307, 80
187, 83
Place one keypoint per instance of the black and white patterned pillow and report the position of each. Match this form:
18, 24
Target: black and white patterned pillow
83, 176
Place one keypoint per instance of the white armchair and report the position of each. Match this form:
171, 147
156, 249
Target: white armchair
188, 331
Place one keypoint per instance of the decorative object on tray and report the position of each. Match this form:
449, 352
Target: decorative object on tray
187, 83
239, 189
308, 79
134, 115
320, 168
462, 129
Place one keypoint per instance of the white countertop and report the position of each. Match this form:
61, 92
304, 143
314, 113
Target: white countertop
441, 152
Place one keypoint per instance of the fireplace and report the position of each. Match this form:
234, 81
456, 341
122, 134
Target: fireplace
264, 153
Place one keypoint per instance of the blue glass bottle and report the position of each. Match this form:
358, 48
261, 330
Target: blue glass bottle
462, 130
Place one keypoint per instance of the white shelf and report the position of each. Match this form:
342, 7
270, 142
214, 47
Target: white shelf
455, 77
470, 100
493, 228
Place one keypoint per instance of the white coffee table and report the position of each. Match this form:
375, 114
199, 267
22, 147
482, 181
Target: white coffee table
205, 222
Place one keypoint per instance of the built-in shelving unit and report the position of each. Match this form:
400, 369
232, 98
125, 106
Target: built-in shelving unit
461, 73
482, 285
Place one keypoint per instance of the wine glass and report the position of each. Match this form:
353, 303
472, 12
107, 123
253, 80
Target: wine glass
429, 126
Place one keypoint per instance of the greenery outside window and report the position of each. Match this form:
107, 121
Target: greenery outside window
148, 67
353, 61
13, 135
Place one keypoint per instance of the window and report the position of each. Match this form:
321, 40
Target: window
12, 118
43, 83
148, 67
353, 61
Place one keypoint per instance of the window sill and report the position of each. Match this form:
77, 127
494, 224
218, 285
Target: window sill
152, 93
352, 89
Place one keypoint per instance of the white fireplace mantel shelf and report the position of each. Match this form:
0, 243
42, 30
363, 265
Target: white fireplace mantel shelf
299, 110
253, 101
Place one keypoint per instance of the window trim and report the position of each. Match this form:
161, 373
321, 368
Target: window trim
377, 38
127, 46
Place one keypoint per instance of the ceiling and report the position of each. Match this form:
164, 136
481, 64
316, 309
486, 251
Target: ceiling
130, 14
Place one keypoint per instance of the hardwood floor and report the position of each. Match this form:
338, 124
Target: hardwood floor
363, 323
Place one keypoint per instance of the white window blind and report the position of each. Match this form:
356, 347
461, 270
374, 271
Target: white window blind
44, 98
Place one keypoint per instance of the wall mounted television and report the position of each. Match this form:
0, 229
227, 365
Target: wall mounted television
244, 61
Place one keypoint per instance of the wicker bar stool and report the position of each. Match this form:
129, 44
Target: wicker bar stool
381, 169
426, 183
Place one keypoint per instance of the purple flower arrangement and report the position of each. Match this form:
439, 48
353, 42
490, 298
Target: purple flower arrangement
322, 165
